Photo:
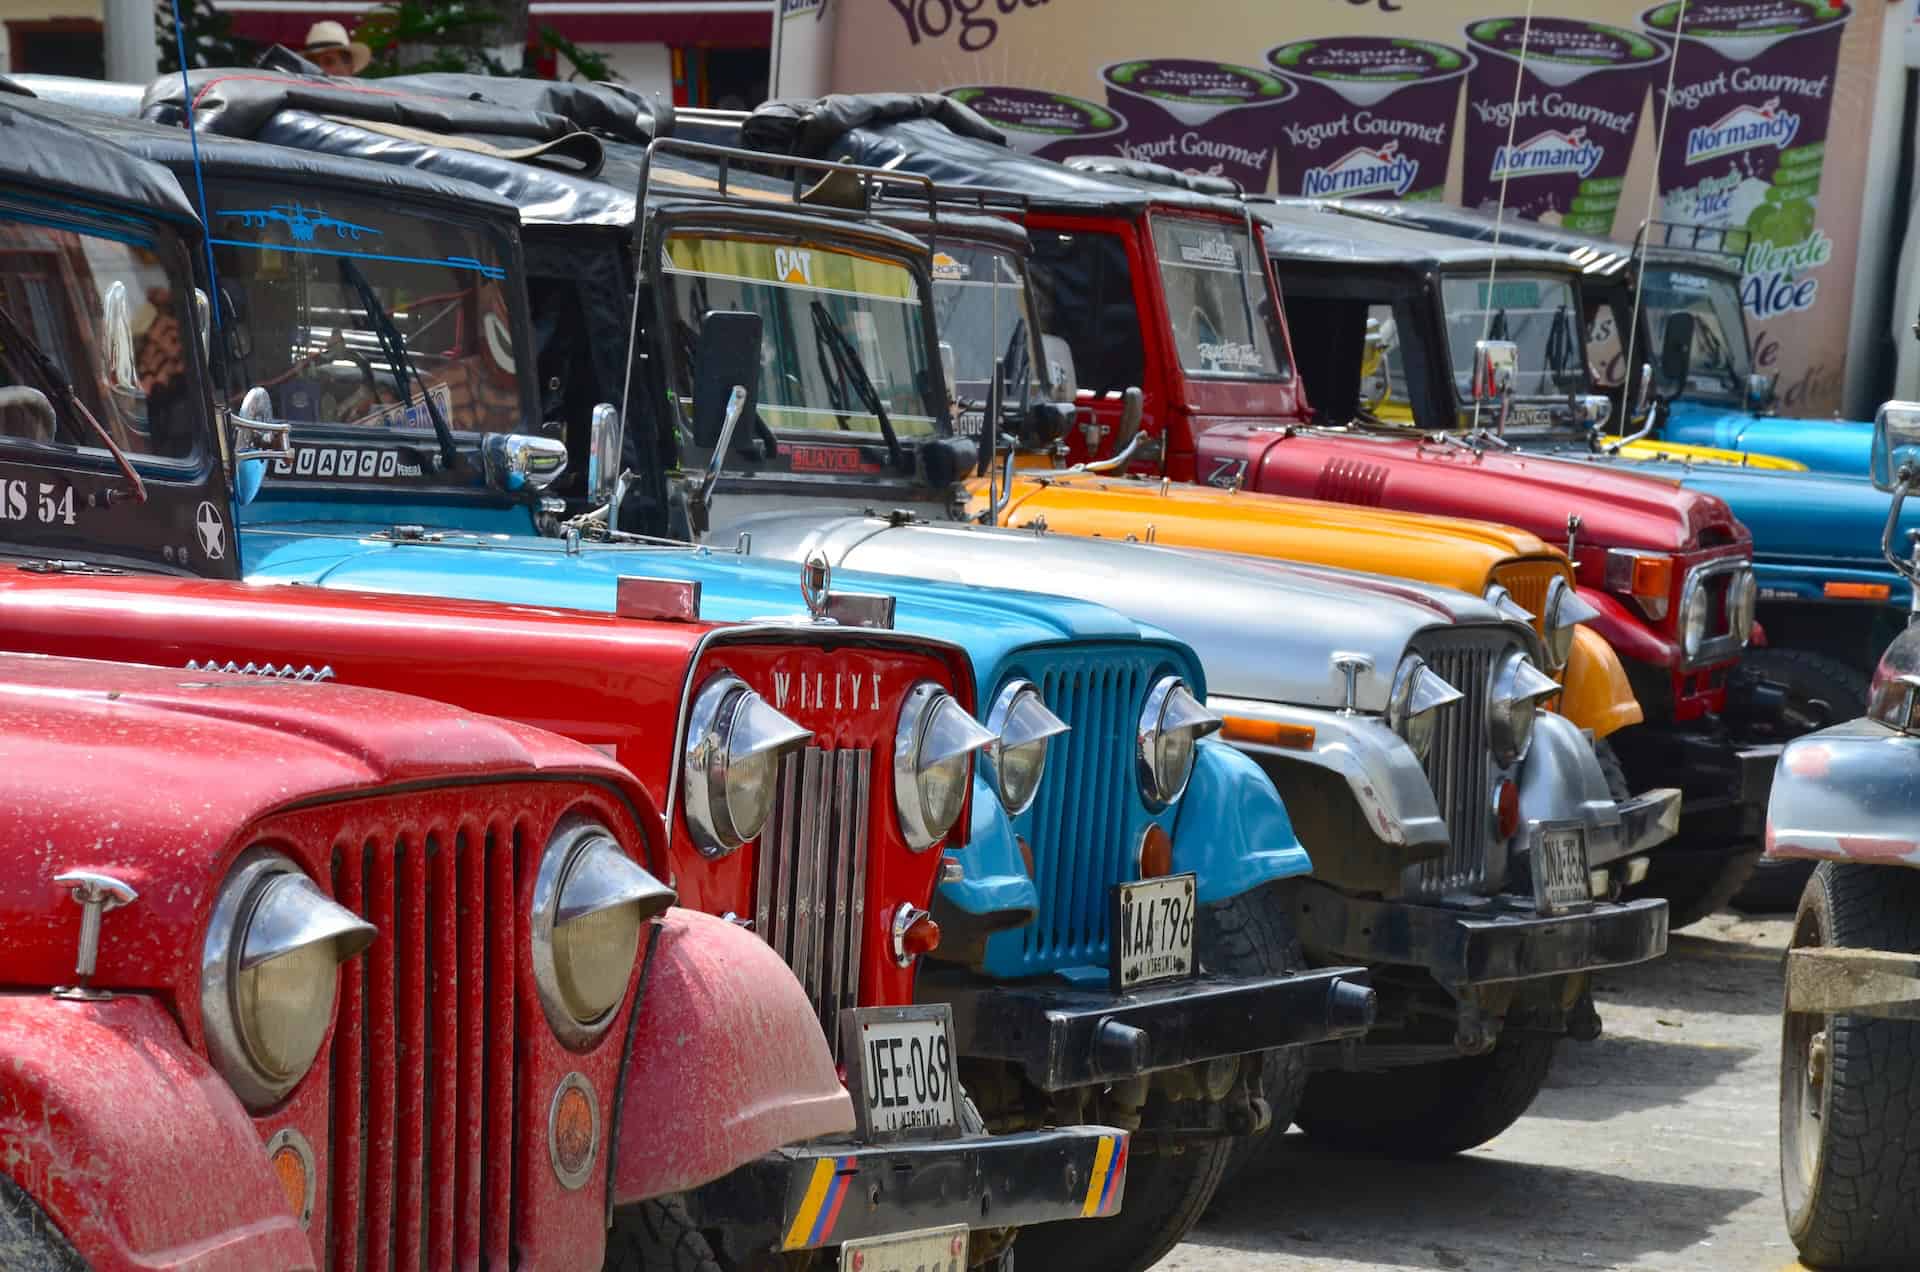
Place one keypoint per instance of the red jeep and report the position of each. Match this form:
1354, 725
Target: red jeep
206, 866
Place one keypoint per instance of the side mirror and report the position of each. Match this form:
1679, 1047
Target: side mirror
1643, 392
1495, 363
203, 323
254, 437
1592, 411
1132, 407
1676, 354
604, 444
1896, 442
1760, 391
728, 358
1062, 382
1047, 423
516, 461
949, 372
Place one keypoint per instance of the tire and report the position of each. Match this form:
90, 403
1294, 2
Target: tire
1430, 1110
1820, 691
1166, 1192
1612, 769
1848, 1127
29, 1241
658, 1236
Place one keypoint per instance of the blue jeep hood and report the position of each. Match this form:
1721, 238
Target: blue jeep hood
1805, 518
1840, 447
991, 625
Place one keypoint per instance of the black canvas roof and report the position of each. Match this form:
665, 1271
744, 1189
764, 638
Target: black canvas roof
1303, 229
44, 145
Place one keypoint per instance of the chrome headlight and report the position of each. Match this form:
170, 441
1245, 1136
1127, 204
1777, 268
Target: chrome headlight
932, 752
590, 903
1501, 599
735, 740
1413, 705
1695, 611
1021, 725
1517, 687
268, 974
1566, 610
1743, 602
1170, 724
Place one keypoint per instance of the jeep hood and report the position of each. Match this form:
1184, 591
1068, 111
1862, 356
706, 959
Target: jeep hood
1263, 629
1805, 518
989, 625
1447, 550
153, 775
1618, 507
1843, 447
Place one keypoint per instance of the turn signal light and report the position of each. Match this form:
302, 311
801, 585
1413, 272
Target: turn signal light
1857, 591
1506, 808
1652, 576
1294, 737
1156, 852
922, 936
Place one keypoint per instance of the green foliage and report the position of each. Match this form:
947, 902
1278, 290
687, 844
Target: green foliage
408, 37
209, 36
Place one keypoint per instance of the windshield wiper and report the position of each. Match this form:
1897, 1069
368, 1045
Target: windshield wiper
14, 338
1018, 361
847, 359
394, 346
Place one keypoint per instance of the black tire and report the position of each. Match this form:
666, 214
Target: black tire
29, 1241
1846, 1138
1820, 691
1429, 1110
658, 1236
1612, 769
1168, 1191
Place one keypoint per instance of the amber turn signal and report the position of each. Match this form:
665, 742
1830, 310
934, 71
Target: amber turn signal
1652, 576
1156, 852
1294, 737
1857, 591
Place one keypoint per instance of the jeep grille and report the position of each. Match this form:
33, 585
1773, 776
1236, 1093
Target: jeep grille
1460, 766
812, 887
1527, 582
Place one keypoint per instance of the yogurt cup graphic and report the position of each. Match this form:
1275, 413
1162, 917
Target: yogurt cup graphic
1374, 116
1050, 125
1197, 116
1582, 89
1753, 84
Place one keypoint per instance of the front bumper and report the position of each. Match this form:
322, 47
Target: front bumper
826, 1192
1646, 821
1062, 1036
1723, 782
1498, 939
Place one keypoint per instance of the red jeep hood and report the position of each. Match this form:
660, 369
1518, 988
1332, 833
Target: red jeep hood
1617, 508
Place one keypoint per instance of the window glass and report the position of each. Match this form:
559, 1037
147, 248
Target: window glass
1539, 315
1383, 370
1606, 351
1215, 292
1721, 361
980, 311
112, 321
323, 295
1084, 287
828, 316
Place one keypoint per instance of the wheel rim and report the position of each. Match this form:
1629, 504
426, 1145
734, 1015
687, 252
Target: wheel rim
1805, 1062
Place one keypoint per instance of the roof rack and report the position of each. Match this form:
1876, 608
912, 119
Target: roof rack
1719, 240
869, 183
977, 199
1157, 174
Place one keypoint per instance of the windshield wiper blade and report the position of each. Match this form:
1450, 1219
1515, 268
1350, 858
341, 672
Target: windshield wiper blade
394, 346
14, 337
847, 358
1018, 361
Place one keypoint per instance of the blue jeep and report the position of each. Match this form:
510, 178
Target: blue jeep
1099, 1027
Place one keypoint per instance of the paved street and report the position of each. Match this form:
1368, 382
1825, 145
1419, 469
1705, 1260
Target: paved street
1652, 1148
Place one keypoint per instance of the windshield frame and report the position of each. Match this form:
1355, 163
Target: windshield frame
1576, 314
1257, 284
772, 225
1012, 406
1719, 287
362, 440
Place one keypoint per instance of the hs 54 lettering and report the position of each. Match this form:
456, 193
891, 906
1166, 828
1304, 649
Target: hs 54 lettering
46, 502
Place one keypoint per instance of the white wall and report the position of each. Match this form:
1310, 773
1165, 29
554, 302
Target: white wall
647, 67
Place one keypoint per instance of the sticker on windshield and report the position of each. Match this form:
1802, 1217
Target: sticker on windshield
351, 463
742, 261
302, 222
312, 229
1206, 249
947, 269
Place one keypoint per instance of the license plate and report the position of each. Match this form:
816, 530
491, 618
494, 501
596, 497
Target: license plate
1560, 871
902, 1077
929, 1250
1153, 931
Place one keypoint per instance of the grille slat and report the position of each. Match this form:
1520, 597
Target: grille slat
442, 1055
813, 864
471, 1100
349, 1054
382, 1091
502, 937
410, 1064
1460, 767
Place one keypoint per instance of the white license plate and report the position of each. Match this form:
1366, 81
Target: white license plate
906, 1075
1560, 871
930, 1250
1153, 940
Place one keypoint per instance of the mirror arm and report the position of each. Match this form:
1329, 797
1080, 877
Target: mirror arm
1144, 445
1905, 567
1613, 447
736, 407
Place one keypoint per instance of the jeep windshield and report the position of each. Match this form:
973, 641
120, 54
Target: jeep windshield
843, 333
1215, 297
1721, 360
1539, 314
316, 292
104, 310
980, 311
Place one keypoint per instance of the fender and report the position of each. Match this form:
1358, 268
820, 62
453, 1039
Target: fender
1385, 777
132, 1145
994, 892
1785, 582
727, 1062
1627, 632
1598, 695
1847, 794
1560, 780
1231, 802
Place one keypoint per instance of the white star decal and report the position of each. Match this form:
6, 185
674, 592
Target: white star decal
212, 528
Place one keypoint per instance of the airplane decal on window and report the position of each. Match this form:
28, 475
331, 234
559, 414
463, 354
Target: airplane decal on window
302, 222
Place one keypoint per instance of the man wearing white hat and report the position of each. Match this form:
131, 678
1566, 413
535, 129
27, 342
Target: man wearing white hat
330, 48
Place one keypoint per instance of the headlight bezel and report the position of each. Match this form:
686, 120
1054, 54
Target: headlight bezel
579, 844
1416, 695
1170, 705
1514, 692
268, 886
1565, 610
1013, 708
930, 713
729, 722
